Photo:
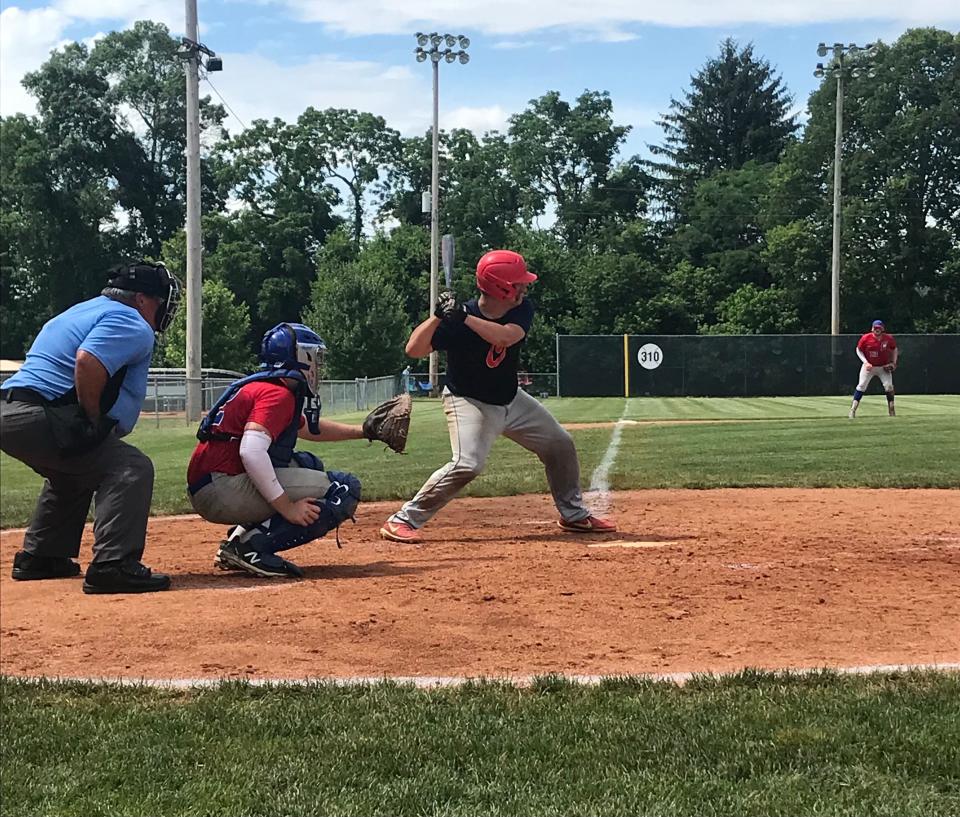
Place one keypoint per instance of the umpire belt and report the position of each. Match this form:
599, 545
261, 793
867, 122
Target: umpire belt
23, 396
34, 398
200, 484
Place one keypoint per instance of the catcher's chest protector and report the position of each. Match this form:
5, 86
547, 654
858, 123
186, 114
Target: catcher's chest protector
281, 449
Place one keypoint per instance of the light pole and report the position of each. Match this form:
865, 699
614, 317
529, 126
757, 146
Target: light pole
837, 68
437, 47
190, 51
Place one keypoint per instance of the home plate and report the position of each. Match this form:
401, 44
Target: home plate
640, 544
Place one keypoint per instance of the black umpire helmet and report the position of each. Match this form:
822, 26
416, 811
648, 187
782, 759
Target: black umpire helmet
150, 279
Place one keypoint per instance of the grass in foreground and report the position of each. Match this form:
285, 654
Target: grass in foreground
786, 443
753, 744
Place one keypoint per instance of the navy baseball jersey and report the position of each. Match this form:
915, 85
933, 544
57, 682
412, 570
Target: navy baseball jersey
477, 368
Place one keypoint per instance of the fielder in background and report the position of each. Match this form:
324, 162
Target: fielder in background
245, 472
481, 400
63, 414
879, 354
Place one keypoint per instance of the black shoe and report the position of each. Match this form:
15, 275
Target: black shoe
27, 566
123, 577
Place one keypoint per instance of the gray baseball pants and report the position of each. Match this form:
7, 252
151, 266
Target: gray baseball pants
474, 427
235, 500
117, 477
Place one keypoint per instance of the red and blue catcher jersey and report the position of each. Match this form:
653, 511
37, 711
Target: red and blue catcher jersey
267, 403
878, 351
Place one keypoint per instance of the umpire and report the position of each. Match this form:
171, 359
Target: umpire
63, 414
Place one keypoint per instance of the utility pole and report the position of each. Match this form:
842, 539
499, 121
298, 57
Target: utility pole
194, 272
190, 51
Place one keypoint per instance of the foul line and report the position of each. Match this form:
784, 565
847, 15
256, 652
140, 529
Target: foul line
599, 491
439, 681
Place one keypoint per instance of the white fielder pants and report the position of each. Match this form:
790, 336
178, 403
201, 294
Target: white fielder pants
886, 378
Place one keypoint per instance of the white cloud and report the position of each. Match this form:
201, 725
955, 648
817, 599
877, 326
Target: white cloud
27, 36
479, 120
512, 45
168, 12
507, 17
26, 39
256, 87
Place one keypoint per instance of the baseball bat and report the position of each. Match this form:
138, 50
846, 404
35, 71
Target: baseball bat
446, 256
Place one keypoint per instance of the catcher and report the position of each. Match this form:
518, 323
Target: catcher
245, 472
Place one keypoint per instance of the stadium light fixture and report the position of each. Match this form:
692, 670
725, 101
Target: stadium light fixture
441, 48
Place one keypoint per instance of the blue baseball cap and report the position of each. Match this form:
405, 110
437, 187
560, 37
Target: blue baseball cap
879, 323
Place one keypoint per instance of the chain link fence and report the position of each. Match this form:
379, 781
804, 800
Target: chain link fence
167, 392
539, 384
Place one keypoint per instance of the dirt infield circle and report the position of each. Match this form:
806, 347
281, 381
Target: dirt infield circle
694, 581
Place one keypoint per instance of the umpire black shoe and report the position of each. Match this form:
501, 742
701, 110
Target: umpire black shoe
123, 577
28, 566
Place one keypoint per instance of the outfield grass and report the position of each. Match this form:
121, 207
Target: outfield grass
788, 442
752, 744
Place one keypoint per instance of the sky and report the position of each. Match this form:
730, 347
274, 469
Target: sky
281, 56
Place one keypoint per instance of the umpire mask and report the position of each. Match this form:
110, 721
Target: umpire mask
154, 280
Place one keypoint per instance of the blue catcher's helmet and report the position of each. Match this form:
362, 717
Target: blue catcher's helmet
294, 348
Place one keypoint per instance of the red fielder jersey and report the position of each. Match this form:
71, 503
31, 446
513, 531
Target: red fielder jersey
268, 404
878, 351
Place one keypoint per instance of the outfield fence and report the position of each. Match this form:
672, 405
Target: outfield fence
743, 365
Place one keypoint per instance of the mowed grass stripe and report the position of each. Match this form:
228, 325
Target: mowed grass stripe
750, 744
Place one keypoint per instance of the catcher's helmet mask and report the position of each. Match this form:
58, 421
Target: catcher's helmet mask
294, 350
154, 280
499, 271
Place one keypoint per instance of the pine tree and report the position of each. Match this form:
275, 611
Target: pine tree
737, 110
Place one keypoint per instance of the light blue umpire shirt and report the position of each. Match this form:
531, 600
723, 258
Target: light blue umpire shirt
115, 334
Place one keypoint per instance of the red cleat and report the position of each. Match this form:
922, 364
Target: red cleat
399, 532
591, 524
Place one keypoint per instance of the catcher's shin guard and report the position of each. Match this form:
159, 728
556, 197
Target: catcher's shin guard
338, 504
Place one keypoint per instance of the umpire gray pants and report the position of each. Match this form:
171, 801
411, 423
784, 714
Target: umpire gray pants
115, 475
474, 427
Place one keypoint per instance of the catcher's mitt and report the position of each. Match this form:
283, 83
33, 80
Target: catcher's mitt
389, 422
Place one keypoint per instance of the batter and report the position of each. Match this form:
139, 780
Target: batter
481, 400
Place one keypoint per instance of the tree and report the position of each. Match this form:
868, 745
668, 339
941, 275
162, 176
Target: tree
736, 111
901, 183
115, 114
351, 147
146, 94
360, 316
53, 253
565, 156
225, 325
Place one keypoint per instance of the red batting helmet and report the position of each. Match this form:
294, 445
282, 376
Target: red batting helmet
499, 270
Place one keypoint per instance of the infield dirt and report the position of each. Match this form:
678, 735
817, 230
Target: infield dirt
693, 581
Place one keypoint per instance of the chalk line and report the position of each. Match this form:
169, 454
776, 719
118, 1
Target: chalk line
598, 495
435, 681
